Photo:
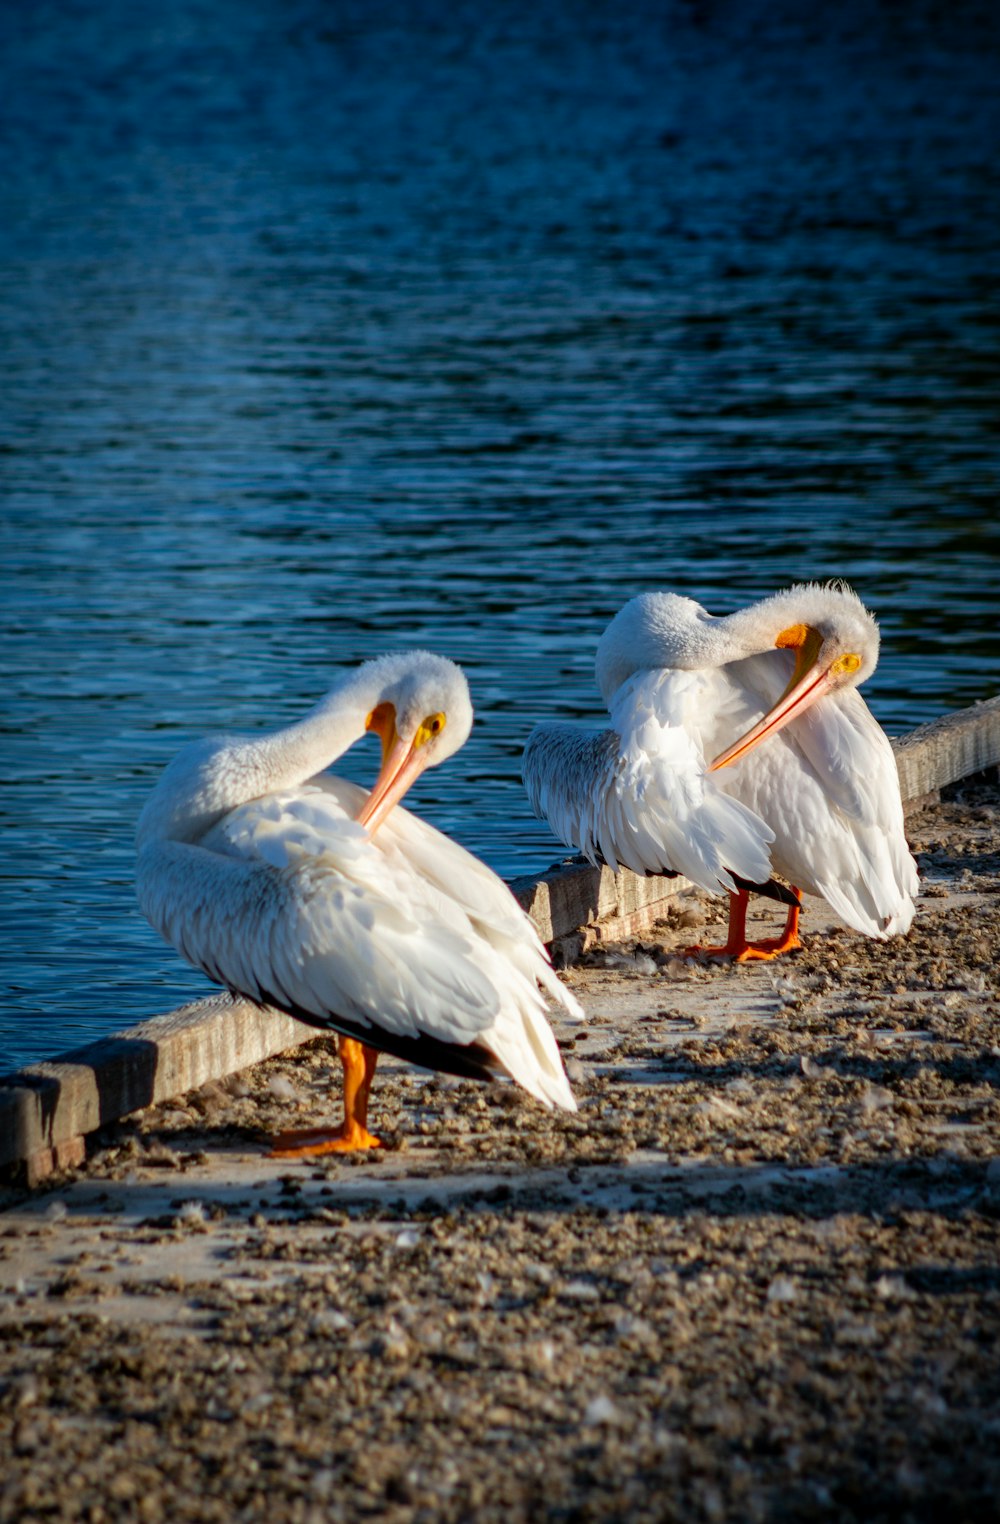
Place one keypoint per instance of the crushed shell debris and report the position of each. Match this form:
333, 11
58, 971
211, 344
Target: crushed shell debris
756, 1277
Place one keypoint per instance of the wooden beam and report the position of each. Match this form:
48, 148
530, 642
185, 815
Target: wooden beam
578, 895
47, 1109
945, 750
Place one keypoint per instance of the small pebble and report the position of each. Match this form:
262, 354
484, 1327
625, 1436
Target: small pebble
579, 1291
894, 1288
600, 1410
782, 1289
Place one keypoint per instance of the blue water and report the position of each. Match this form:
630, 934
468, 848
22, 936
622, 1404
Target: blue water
329, 329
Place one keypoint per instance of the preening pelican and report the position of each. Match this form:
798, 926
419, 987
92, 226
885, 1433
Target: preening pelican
266, 873
741, 746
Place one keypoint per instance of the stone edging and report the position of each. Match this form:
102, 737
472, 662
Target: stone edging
47, 1109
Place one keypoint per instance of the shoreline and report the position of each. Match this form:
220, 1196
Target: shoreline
47, 1110
756, 1276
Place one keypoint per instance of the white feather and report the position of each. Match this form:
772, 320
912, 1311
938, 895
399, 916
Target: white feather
818, 801
641, 795
829, 783
282, 896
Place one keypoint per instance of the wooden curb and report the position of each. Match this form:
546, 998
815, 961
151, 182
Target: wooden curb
945, 750
47, 1109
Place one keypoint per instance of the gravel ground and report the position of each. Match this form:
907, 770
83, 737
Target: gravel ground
756, 1277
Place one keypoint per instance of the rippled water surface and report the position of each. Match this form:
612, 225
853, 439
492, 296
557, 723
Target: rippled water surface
335, 329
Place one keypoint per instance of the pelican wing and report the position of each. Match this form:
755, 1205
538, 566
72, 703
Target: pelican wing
453, 877
289, 901
829, 784
567, 772
866, 870
640, 795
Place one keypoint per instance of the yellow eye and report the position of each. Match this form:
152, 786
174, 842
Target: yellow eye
431, 727
845, 665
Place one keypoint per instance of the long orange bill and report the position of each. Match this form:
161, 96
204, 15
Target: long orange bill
801, 693
402, 764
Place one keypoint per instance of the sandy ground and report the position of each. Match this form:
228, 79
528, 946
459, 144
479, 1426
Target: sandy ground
757, 1276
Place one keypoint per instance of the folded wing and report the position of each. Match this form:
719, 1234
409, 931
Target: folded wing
640, 795
863, 865
290, 902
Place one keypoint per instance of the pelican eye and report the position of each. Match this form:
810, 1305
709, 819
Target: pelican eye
845, 665
431, 727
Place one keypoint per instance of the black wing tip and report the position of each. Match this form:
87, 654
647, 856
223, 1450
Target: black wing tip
772, 890
465, 1060
600, 861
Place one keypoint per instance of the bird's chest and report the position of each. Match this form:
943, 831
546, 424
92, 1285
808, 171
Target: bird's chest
721, 704
777, 782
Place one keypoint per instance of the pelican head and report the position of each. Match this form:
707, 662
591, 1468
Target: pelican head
835, 641
422, 714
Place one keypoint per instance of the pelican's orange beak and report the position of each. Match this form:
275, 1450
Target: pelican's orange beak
808, 683
402, 764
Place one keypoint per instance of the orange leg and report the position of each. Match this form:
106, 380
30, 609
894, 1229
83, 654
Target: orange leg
770, 947
738, 948
359, 1070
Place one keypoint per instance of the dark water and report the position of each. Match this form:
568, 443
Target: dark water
335, 328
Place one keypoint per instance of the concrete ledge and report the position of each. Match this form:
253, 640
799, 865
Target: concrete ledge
579, 895
953, 747
47, 1109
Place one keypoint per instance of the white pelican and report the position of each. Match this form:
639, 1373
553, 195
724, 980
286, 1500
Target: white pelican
812, 774
263, 871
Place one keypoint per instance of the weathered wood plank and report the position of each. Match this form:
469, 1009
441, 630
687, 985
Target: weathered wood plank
45, 1161
945, 750
46, 1109
47, 1105
578, 895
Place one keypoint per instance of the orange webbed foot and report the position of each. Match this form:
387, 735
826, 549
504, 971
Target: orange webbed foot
309, 1142
768, 948
699, 951
762, 951
738, 948
352, 1135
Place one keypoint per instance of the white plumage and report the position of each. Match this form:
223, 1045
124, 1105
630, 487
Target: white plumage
809, 791
641, 795
252, 863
